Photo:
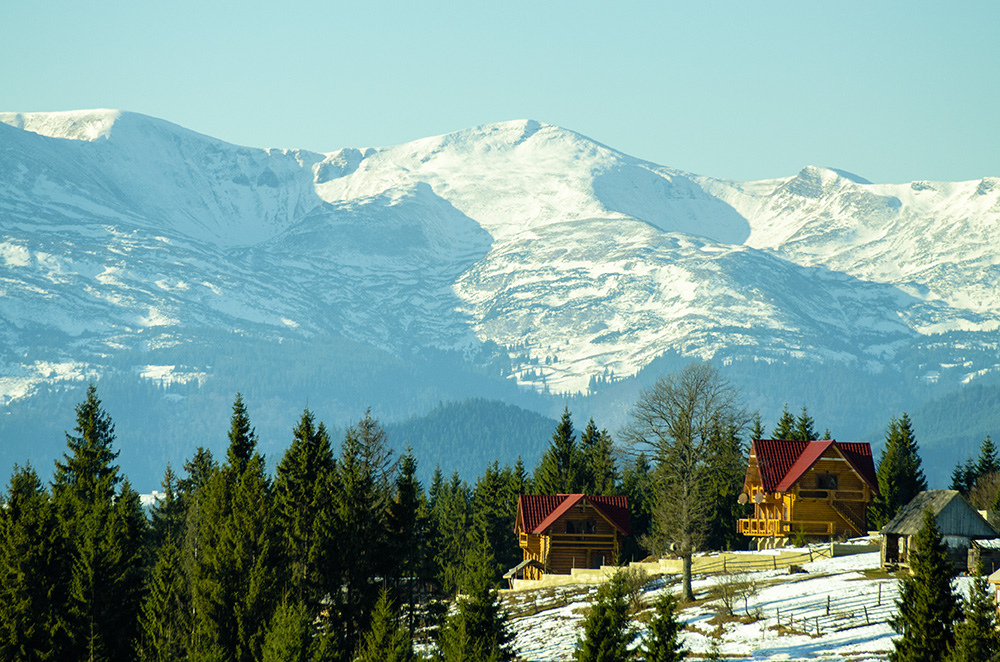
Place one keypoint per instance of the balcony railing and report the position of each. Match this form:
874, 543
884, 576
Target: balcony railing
779, 527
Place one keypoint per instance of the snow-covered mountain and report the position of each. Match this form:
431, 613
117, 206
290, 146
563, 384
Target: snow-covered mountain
563, 256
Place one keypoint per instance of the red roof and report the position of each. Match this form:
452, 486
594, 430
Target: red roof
781, 462
537, 512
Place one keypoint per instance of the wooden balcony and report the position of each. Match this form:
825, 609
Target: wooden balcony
779, 527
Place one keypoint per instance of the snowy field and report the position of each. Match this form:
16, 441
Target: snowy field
837, 610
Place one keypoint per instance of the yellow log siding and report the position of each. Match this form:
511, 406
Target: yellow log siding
829, 499
581, 538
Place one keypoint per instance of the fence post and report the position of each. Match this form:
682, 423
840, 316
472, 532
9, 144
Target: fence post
827, 605
867, 622
879, 594
774, 562
817, 626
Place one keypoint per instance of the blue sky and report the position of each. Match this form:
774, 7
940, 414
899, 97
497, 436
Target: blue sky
892, 91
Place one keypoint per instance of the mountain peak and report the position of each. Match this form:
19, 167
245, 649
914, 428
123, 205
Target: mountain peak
87, 125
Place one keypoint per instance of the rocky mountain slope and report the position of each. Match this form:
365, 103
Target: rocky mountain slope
522, 252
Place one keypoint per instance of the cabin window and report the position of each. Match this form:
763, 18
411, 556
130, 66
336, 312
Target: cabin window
826, 481
591, 526
569, 527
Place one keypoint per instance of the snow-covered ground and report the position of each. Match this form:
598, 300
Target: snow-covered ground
794, 621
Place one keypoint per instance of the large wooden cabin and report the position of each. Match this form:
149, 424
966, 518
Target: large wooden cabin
564, 531
820, 489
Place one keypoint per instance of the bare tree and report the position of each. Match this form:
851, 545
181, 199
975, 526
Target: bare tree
673, 421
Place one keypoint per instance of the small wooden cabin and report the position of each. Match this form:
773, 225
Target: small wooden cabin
957, 520
816, 488
565, 531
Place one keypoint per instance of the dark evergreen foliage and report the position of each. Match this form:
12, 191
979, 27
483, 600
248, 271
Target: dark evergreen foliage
388, 638
362, 495
976, 635
561, 469
599, 467
32, 573
164, 619
805, 429
785, 428
899, 472
662, 643
305, 513
289, 636
725, 471
607, 632
928, 607
478, 629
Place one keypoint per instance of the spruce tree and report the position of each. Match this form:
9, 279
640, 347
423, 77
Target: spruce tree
479, 628
662, 643
785, 429
927, 607
899, 472
106, 535
362, 493
637, 487
805, 426
725, 473
387, 638
237, 575
757, 427
560, 469
408, 523
987, 462
304, 511
450, 523
32, 573
607, 632
597, 452
163, 621
167, 519
976, 636
289, 635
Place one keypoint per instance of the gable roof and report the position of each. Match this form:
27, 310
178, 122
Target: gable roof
537, 512
952, 512
782, 462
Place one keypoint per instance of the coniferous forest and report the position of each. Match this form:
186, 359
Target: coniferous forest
339, 552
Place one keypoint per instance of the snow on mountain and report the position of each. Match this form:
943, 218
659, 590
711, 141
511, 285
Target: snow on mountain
575, 260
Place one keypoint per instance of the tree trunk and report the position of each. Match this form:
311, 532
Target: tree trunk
686, 591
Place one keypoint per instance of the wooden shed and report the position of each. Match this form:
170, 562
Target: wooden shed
565, 531
958, 521
820, 489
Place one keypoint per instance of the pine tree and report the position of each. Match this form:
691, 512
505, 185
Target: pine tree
976, 636
637, 487
32, 572
785, 429
289, 635
163, 624
479, 628
900, 477
963, 476
725, 473
607, 632
804, 427
663, 643
560, 469
757, 427
237, 574
408, 523
304, 511
362, 495
387, 638
167, 519
450, 523
987, 462
106, 536
597, 452
927, 607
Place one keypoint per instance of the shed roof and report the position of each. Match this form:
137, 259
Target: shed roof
781, 462
952, 512
537, 512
